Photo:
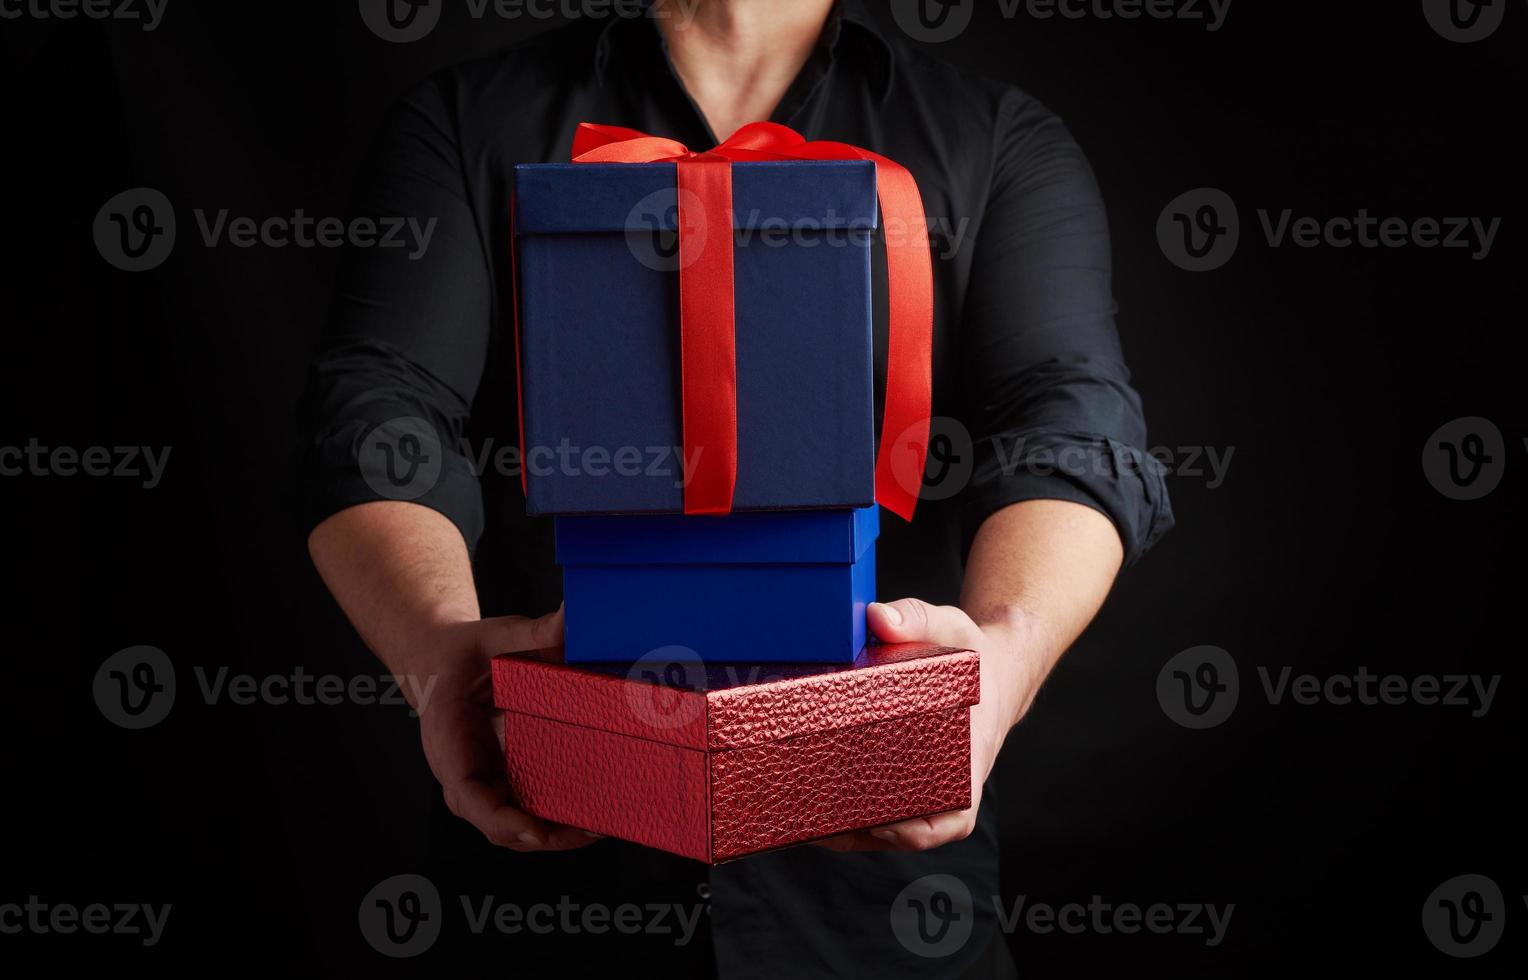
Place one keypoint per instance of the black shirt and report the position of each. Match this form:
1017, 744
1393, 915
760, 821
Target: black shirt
1031, 394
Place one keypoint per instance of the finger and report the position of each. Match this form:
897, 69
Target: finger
916, 621
545, 835
482, 805
564, 838
926, 833
854, 841
508, 634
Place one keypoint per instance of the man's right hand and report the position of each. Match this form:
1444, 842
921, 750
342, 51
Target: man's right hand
463, 733
403, 576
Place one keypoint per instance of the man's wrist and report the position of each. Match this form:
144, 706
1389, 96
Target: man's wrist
1020, 657
430, 645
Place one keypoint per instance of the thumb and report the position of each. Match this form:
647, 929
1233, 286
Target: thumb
916, 621
509, 634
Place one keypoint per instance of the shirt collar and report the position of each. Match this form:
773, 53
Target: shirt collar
849, 20
880, 57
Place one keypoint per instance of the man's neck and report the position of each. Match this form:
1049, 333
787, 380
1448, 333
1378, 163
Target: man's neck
737, 58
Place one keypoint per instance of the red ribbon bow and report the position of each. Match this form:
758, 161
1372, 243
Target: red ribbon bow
708, 368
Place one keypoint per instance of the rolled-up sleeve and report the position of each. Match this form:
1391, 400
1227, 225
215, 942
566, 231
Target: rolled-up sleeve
393, 379
1053, 413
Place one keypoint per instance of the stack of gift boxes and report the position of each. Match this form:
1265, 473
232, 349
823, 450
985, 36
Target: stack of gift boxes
694, 354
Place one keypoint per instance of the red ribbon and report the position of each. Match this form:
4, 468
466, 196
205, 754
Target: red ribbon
708, 369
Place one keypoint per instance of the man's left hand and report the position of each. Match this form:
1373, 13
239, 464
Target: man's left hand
1009, 681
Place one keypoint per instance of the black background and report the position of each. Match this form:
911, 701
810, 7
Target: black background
1323, 371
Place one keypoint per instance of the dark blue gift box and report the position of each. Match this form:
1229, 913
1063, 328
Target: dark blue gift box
778, 587
599, 336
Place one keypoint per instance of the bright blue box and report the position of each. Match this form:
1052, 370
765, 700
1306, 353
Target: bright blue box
766, 587
599, 336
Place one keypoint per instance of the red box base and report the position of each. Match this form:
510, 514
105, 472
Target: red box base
739, 768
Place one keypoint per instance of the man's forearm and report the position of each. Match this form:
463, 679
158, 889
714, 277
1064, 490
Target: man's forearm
398, 570
1037, 574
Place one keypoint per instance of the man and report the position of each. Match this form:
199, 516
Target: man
1011, 555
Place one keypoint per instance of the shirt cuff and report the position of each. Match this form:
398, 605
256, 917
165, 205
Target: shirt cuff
401, 458
1124, 483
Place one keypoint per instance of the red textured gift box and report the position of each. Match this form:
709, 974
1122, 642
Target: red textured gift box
715, 763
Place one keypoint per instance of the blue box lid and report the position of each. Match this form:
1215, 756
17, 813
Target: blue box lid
752, 538
564, 198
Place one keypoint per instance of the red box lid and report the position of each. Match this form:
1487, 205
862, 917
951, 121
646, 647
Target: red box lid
673, 698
